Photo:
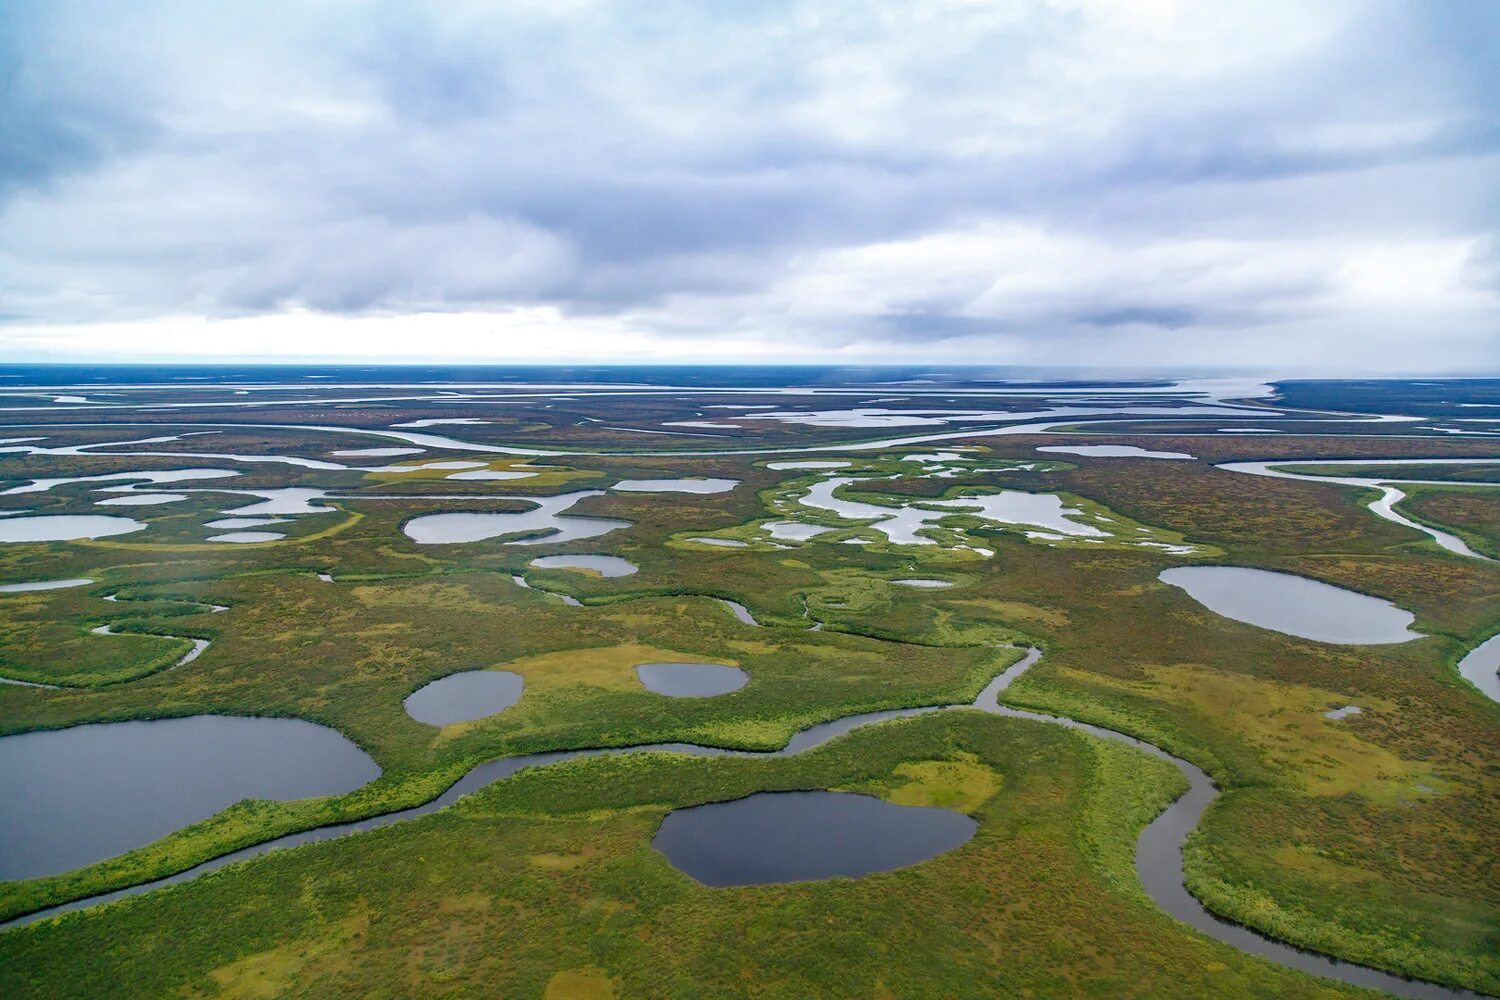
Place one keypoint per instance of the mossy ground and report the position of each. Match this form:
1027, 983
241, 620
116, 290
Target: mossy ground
1363, 837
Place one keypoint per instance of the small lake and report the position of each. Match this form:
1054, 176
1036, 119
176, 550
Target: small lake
1111, 451
925, 584
606, 566
464, 697
448, 529
288, 500
691, 680
142, 499
430, 465
723, 543
1294, 605
491, 475
70, 797
675, 485
901, 524
63, 527
238, 523
810, 464
153, 478
773, 837
793, 531
1480, 666
376, 452
18, 588
247, 537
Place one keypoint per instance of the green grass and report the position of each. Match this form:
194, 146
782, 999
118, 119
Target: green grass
552, 875
1322, 836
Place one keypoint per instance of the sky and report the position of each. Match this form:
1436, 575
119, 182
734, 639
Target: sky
1283, 186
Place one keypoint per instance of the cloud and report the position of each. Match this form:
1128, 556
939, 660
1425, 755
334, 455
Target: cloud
862, 179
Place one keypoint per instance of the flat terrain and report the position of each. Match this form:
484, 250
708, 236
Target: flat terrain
1368, 837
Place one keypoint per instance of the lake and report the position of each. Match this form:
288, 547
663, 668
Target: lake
801, 836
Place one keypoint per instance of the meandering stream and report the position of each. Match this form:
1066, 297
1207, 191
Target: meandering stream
1158, 855
1390, 494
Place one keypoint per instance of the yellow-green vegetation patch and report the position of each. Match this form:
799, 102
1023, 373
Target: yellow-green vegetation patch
587, 983
539, 477
1285, 725
961, 782
609, 667
1017, 612
268, 975
967, 923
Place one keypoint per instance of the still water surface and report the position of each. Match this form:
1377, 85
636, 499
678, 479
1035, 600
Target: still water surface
800, 836
1294, 605
464, 697
691, 680
69, 797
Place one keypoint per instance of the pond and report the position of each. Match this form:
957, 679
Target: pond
238, 523
675, 485
723, 543
927, 584
448, 529
691, 680
288, 500
464, 697
142, 499
17, 588
247, 537
901, 524
63, 527
1111, 451
606, 566
809, 464
376, 452
773, 837
1479, 667
136, 478
70, 797
1293, 605
793, 531
491, 475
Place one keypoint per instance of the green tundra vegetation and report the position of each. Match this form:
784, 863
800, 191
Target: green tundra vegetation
1368, 837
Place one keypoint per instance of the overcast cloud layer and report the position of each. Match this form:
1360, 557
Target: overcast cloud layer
1077, 181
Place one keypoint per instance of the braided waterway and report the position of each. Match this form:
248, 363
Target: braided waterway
1158, 855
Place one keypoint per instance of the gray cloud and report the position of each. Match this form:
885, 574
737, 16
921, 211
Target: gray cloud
835, 173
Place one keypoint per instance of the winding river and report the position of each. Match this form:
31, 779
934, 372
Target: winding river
1390, 494
1158, 854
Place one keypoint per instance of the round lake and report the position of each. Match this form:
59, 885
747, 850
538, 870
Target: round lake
1293, 605
246, 537
800, 836
607, 566
691, 680
70, 797
464, 697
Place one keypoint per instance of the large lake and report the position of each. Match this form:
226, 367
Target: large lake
69, 797
1294, 605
